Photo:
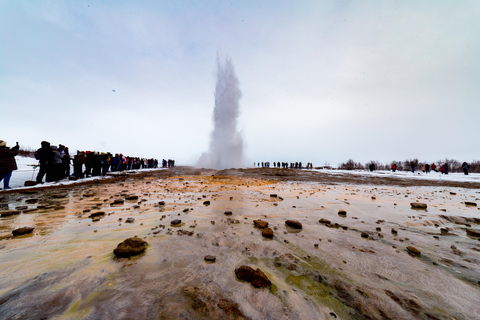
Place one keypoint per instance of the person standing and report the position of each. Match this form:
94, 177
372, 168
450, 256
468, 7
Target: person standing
465, 168
44, 156
7, 163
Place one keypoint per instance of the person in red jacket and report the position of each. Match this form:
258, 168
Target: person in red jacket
7, 162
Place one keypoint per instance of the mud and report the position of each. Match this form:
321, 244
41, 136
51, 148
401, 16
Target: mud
344, 266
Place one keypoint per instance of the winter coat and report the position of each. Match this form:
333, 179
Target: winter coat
57, 157
7, 159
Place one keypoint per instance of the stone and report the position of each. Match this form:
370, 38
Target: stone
364, 235
260, 279
418, 205
342, 213
30, 183
210, 258
273, 195
176, 221
97, 214
260, 223
244, 273
10, 213
228, 213
130, 220
207, 203
21, 208
131, 198
394, 232
23, 230
324, 221
130, 247
294, 224
467, 203
33, 200
413, 250
473, 233
161, 203
117, 202
267, 233
95, 219
444, 231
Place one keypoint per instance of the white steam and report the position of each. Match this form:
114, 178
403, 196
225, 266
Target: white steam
226, 144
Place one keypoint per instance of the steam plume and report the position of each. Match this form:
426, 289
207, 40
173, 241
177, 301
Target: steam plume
226, 144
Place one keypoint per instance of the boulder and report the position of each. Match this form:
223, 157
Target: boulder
117, 202
418, 205
10, 213
24, 230
342, 213
161, 203
130, 247
294, 224
30, 183
176, 221
467, 203
324, 221
97, 214
267, 233
260, 279
412, 250
228, 213
210, 258
131, 198
244, 273
207, 203
260, 223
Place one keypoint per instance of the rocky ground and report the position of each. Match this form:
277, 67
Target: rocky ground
193, 243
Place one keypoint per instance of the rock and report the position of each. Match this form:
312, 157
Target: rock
210, 258
273, 195
33, 200
95, 219
24, 230
260, 279
394, 232
232, 221
260, 223
228, 213
294, 224
97, 214
413, 250
131, 198
473, 233
10, 213
324, 221
342, 213
117, 202
207, 203
418, 205
21, 208
30, 183
444, 231
467, 203
267, 233
364, 235
161, 203
244, 273
130, 247
130, 220
176, 221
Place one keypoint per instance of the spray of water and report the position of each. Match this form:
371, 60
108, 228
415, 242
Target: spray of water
226, 144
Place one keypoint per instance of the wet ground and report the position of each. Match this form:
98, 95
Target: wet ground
354, 266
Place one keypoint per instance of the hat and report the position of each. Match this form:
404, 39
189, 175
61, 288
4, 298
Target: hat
3, 143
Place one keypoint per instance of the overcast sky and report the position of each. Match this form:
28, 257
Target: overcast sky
322, 81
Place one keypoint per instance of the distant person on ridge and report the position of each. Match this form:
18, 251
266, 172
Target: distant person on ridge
7, 163
465, 168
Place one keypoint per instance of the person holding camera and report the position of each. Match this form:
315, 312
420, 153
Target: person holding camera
7, 162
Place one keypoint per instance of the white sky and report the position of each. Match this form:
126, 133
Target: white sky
322, 81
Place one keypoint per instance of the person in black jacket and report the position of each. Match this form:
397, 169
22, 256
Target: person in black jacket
7, 163
44, 156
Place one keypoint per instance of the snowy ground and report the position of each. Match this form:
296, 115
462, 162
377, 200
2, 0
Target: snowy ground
27, 171
453, 176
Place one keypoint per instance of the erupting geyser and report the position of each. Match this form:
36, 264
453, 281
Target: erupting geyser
226, 144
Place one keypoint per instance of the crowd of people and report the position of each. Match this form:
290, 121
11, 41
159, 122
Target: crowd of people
55, 163
284, 165
427, 168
